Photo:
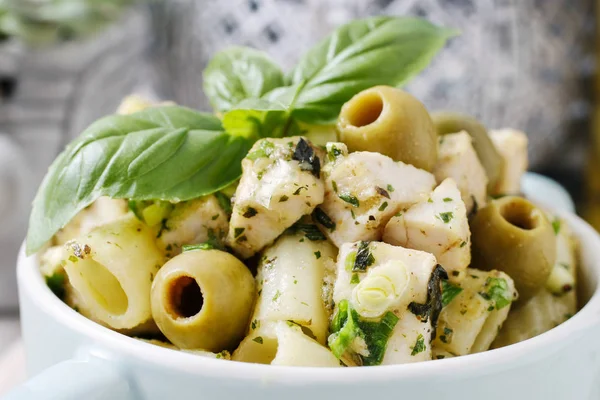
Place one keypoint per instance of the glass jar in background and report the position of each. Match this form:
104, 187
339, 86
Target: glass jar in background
524, 64
49, 93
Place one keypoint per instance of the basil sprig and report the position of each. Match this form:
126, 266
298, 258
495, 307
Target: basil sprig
359, 55
173, 153
239, 73
168, 153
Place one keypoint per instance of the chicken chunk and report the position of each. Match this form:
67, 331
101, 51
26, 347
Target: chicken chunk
438, 225
363, 191
192, 222
458, 160
475, 307
512, 146
378, 283
280, 183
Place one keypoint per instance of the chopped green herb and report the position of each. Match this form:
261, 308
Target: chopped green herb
241, 239
446, 216
347, 326
350, 199
490, 308
440, 357
419, 346
297, 192
258, 340
334, 185
200, 246
295, 281
255, 324
265, 149
56, 283
364, 258
250, 212
433, 307
447, 199
455, 273
322, 218
556, 225
355, 279
311, 231
463, 244
449, 292
238, 231
277, 295
352, 214
496, 290
224, 202
446, 337
398, 214
350, 260
333, 153
214, 217
565, 266
307, 158
318, 254
283, 198
390, 188
383, 206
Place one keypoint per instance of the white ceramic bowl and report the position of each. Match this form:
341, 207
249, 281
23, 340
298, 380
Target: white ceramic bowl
78, 359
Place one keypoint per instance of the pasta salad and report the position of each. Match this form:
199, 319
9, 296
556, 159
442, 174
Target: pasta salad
320, 218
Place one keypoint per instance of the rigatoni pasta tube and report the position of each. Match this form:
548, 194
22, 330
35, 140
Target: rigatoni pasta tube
283, 343
112, 269
290, 279
202, 299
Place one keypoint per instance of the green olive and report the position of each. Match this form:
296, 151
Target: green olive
202, 299
389, 121
449, 122
512, 235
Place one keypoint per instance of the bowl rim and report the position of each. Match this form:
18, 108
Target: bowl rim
114, 345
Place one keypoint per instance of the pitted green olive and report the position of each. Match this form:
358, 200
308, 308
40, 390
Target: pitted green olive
389, 121
449, 122
513, 235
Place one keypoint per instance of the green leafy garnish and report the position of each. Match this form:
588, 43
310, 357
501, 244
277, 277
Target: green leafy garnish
364, 258
383, 206
350, 199
258, 340
497, 291
322, 218
200, 246
347, 326
556, 225
239, 73
354, 279
250, 212
449, 292
311, 231
170, 153
317, 254
447, 199
446, 216
419, 346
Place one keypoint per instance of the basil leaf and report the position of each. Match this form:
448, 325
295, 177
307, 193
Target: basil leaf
239, 73
258, 118
449, 292
164, 153
364, 53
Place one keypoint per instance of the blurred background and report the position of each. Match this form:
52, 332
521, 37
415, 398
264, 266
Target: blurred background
525, 64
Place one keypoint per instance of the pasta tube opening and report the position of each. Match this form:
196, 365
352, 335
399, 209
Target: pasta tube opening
104, 288
185, 297
364, 109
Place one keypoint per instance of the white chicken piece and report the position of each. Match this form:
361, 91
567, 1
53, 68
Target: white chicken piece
377, 286
438, 225
512, 146
458, 160
363, 190
192, 222
102, 211
280, 183
475, 307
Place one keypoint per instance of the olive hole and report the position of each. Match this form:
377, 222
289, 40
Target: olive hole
519, 215
185, 297
365, 109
